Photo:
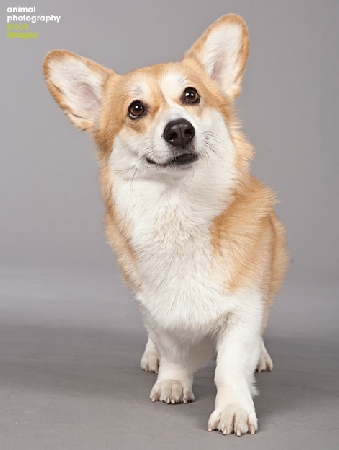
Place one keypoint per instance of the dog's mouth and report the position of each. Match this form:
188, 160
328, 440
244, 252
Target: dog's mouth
178, 161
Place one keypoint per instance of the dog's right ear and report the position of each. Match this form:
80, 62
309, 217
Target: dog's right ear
77, 84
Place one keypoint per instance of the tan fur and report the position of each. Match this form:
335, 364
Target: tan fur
250, 239
124, 252
118, 236
229, 19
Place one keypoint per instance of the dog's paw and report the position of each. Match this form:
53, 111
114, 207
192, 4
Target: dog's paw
150, 361
233, 418
265, 362
172, 391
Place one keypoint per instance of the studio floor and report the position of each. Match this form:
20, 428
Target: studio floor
71, 342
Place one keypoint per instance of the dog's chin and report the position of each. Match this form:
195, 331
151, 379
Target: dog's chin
183, 161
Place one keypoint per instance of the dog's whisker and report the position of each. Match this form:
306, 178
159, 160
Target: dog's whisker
212, 149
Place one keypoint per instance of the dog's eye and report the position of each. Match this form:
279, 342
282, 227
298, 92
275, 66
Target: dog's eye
136, 109
191, 95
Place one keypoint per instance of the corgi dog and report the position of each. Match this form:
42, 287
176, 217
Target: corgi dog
195, 234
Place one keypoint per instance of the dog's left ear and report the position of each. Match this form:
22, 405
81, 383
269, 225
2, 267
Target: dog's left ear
223, 51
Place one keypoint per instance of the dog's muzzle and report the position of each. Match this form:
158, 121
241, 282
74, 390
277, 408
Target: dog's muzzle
179, 134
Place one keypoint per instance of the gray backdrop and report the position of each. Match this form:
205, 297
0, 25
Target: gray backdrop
70, 337
51, 211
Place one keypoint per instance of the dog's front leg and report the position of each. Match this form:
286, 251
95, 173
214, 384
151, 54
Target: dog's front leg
175, 378
238, 348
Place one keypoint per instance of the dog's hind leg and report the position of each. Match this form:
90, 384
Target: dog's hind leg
150, 358
265, 361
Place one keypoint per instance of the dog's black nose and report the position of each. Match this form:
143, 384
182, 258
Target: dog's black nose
179, 132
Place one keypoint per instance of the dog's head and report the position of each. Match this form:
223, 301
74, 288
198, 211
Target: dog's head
166, 120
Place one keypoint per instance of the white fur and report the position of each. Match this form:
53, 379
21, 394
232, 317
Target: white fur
265, 361
150, 359
81, 86
188, 313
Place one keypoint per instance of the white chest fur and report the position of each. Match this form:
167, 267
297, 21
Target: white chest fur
170, 230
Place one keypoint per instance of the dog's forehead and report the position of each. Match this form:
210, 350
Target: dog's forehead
165, 83
172, 83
